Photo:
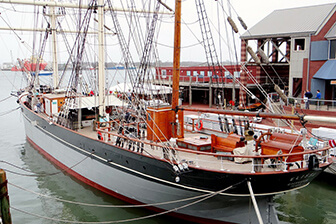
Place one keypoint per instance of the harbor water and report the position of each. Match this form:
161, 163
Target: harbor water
36, 185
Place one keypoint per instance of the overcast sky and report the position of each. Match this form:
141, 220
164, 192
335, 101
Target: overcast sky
251, 11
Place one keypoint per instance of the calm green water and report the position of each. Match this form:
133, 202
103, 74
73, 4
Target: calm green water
313, 204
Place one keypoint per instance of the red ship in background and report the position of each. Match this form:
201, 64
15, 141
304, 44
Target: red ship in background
30, 64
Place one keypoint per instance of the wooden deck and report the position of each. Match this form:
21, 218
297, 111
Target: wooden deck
197, 159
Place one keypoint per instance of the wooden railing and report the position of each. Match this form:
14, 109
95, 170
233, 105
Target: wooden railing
284, 162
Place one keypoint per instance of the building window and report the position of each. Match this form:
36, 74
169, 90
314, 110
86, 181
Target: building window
209, 73
332, 54
299, 44
164, 73
201, 73
188, 73
236, 74
195, 73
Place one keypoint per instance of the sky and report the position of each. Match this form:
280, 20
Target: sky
17, 45
253, 11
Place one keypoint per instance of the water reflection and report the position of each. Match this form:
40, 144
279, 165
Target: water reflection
68, 188
313, 204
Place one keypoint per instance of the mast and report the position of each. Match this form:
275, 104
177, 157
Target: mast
101, 59
54, 47
176, 63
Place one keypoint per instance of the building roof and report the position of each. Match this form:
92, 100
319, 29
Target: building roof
291, 22
92, 101
147, 89
331, 33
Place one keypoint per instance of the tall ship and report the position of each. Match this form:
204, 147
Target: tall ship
136, 145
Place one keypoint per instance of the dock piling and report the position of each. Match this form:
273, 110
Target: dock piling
4, 199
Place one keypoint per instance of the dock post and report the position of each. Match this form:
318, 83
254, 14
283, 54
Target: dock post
210, 92
293, 112
4, 199
190, 91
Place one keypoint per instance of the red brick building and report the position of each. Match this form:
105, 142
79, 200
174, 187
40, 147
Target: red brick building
299, 45
202, 84
294, 48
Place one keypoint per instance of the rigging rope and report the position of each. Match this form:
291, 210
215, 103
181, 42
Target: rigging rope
240, 19
29, 48
111, 206
129, 61
9, 111
184, 47
5, 98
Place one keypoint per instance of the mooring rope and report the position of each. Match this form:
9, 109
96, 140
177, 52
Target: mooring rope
111, 206
132, 219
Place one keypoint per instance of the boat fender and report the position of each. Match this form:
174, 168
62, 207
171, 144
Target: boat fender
142, 147
138, 146
180, 166
199, 125
220, 123
100, 136
227, 125
234, 127
118, 141
176, 169
313, 162
185, 166
332, 143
